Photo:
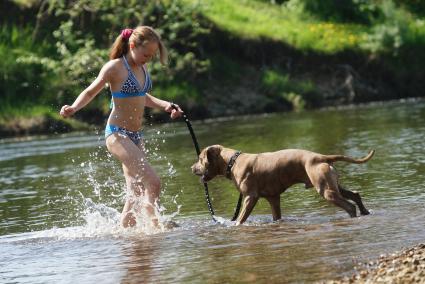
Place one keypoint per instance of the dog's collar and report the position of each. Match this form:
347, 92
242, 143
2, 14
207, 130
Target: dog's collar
231, 163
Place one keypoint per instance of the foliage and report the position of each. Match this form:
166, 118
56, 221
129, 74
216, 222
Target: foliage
393, 24
49, 58
390, 31
299, 94
288, 23
81, 41
416, 7
20, 81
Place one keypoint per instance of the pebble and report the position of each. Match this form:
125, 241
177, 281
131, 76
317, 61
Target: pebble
407, 266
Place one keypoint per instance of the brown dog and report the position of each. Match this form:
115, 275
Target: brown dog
270, 174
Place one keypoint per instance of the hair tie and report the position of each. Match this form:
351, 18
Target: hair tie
126, 33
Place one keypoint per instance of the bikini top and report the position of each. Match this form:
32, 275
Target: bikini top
131, 86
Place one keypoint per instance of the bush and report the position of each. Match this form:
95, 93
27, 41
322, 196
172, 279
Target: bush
55, 74
21, 82
297, 94
390, 31
337, 10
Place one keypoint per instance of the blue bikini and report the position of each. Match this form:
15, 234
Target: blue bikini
130, 88
135, 136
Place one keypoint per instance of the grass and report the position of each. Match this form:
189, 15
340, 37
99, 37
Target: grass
33, 117
288, 23
8, 112
251, 19
27, 82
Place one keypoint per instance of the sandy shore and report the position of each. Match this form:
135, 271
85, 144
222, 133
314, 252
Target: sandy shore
407, 266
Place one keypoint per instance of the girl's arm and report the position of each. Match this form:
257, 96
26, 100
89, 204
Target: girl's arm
153, 102
88, 94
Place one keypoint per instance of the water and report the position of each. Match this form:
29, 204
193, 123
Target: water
60, 198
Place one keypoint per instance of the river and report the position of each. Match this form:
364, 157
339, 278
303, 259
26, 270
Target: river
60, 198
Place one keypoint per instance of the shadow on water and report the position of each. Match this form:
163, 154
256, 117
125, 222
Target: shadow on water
61, 196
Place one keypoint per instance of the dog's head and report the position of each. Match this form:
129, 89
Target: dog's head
210, 163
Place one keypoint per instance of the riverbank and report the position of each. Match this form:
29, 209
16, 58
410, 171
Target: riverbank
50, 122
274, 56
406, 266
39, 123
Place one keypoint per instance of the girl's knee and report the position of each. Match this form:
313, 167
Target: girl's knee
110, 142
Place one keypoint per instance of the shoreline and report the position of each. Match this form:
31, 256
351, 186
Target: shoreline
405, 266
40, 125
46, 124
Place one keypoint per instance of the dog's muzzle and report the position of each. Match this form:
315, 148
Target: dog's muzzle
204, 175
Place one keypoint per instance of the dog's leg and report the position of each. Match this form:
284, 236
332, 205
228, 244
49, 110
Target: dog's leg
275, 204
335, 197
247, 206
325, 179
356, 198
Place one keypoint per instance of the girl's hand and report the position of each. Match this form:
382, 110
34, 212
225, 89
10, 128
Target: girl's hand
67, 111
174, 110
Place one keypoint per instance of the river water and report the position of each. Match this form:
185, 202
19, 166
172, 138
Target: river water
60, 198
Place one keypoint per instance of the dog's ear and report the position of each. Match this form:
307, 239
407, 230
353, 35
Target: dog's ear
213, 152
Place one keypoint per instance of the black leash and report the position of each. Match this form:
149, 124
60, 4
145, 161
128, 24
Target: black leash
238, 208
198, 151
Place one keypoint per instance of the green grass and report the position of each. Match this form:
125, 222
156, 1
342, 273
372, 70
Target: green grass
27, 116
8, 112
288, 23
251, 19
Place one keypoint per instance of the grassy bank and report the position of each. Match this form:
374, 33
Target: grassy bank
262, 56
36, 119
287, 23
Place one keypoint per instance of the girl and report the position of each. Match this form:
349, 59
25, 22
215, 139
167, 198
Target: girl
130, 85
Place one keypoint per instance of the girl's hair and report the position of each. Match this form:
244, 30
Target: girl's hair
139, 36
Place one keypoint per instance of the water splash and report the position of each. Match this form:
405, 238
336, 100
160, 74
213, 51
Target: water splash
223, 221
105, 193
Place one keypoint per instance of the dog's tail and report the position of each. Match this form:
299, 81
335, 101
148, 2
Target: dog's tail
336, 158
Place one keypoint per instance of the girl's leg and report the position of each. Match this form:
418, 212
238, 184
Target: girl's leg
141, 179
143, 195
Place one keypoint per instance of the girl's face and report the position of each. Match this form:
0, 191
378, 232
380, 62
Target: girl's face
144, 53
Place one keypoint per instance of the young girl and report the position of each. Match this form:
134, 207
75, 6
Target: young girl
130, 85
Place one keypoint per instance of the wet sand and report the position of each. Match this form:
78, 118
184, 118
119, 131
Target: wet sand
406, 266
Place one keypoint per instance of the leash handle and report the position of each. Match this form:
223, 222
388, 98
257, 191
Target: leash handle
189, 126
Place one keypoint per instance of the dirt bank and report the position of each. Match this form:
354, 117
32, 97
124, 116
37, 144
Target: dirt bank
407, 266
40, 124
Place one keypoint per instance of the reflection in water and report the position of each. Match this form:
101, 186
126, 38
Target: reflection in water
140, 260
60, 199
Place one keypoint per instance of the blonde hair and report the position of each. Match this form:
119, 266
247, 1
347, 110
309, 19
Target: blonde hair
139, 36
